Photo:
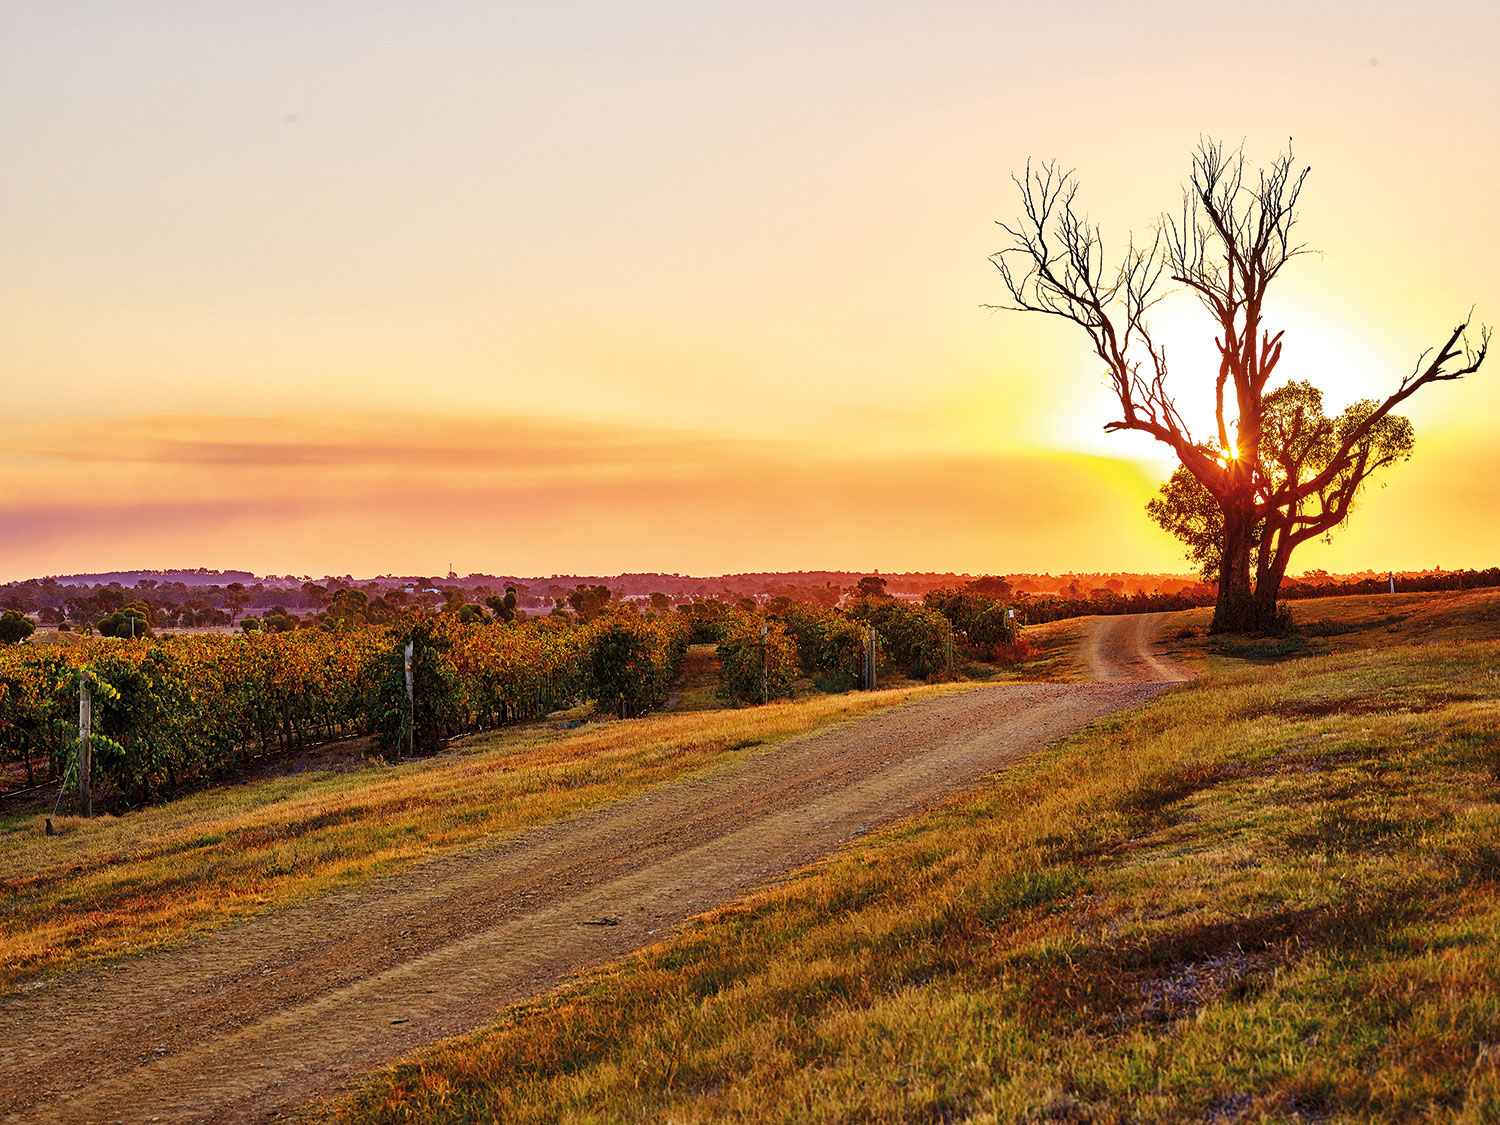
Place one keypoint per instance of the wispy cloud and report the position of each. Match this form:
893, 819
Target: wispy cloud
378, 441
368, 493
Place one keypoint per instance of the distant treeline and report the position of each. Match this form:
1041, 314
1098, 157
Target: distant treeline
1380, 584
1036, 610
194, 599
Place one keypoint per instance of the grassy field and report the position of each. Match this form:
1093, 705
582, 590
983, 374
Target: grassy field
1270, 895
1328, 625
117, 884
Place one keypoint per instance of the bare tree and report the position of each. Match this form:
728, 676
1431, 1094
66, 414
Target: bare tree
1230, 241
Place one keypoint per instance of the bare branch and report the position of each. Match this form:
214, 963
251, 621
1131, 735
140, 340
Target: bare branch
1279, 470
1436, 370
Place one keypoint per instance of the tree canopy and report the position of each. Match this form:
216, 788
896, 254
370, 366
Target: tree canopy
15, 627
1276, 470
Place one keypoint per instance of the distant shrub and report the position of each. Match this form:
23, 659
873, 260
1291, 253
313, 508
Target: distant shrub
630, 661
830, 646
913, 638
757, 658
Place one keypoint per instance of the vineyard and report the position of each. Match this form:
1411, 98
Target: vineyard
174, 712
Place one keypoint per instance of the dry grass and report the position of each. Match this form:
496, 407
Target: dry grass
1272, 895
111, 885
1328, 625
1058, 648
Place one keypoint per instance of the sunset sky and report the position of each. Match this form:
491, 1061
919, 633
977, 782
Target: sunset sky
368, 288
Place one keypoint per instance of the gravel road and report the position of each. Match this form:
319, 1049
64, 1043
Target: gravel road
263, 1016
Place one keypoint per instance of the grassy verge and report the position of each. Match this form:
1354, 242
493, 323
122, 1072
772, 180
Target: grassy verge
1329, 625
1271, 895
1058, 653
110, 885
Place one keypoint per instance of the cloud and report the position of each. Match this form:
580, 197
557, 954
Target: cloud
366, 441
370, 494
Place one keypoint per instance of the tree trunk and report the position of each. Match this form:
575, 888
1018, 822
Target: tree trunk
1267, 589
1235, 609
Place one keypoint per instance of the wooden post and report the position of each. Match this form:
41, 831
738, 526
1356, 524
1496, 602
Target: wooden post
411, 704
85, 729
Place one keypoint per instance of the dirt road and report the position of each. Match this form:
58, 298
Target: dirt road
266, 1015
1121, 648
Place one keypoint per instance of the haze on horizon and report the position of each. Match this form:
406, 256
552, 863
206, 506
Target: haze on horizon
599, 288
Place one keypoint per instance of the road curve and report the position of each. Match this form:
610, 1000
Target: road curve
271, 1013
1122, 648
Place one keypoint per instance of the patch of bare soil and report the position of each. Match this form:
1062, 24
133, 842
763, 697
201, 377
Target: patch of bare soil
247, 1022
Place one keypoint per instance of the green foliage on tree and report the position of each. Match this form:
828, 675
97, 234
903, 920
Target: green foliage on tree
704, 616
982, 623
38, 717
278, 620
132, 620
145, 750
15, 627
347, 608
504, 608
431, 717
1299, 444
588, 601
913, 638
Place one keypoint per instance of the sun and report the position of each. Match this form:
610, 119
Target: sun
1320, 345
1317, 346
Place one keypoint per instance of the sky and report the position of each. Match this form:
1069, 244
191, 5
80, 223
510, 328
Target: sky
601, 287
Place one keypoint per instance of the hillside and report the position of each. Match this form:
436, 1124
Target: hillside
1270, 895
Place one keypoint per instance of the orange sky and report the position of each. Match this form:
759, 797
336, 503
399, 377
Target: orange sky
339, 288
